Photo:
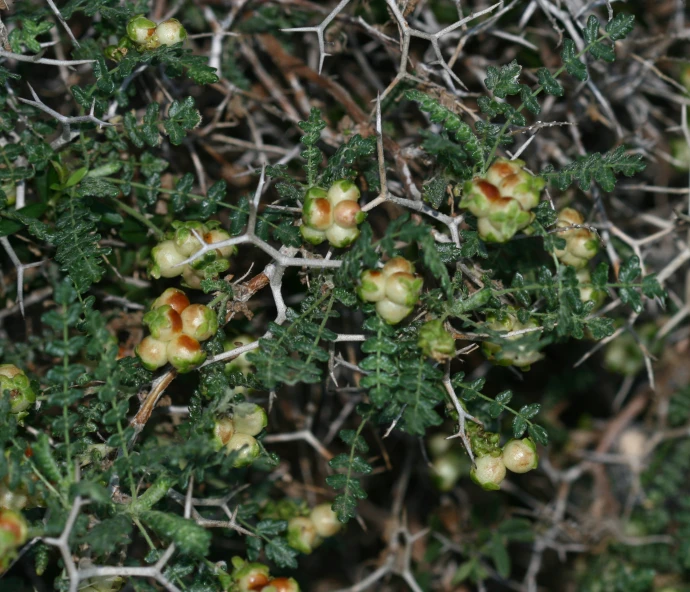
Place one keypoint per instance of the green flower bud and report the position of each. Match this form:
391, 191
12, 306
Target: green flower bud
218, 235
163, 322
171, 32
240, 363
403, 288
173, 297
513, 181
249, 576
391, 312
185, 353
191, 278
479, 197
152, 353
520, 456
340, 237
14, 380
347, 214
325, 521
580, 243
435, 341
397, 265
185, 238
343, 190
372, 287
302, 535
317, 213
223, 431
245, 447
516, 350
199, 321
282, 585
166, 260
503, 221
447, 469
249, 418
141, 30
314, 237
488, 472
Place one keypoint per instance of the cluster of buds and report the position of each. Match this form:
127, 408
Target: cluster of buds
177, 328
13, 534
517, 456
435, 341
515, 350
448, 462
145, 35
256, 577
580, 243
332, 214
188, 238
395, 289
21, 394
305, 533
503, 200
236, 434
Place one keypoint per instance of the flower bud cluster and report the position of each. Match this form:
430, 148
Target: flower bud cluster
580, 243
146, 34
435, 341
305, 533
21, 395
13, 534
517, 456
332, 214
185, 241
502, 200
177, 328
256, 577
237, 433
515, 350
395, 289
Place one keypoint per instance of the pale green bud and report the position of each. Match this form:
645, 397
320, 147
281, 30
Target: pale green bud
372, 287
520, 456
391, 312
302, 535
185, 353
249, 418
403, 288
435, 341
199, 321
246, 448
340, 237
166, 260
152, 353
488, 472
343, 190
163, 322
140, 29
325, 520
171, 32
